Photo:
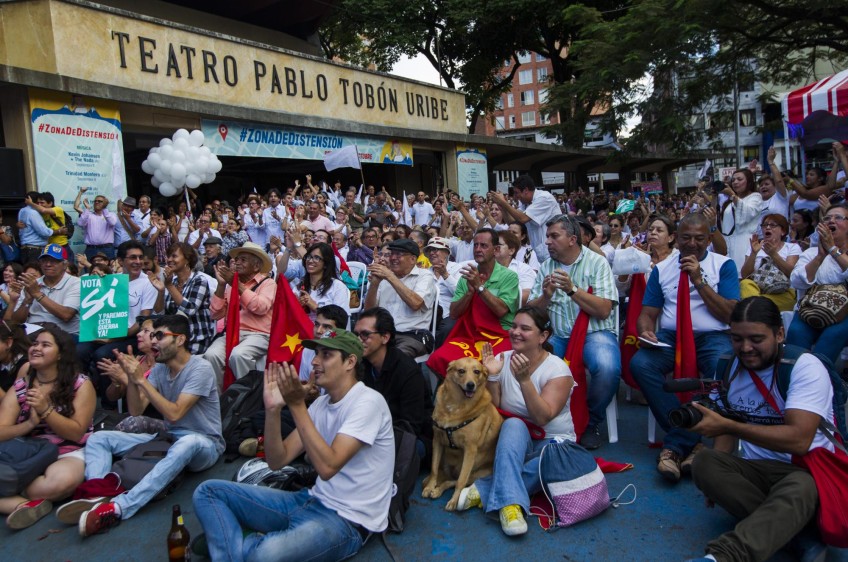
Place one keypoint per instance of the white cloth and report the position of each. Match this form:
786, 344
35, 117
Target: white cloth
142, 296
273, 227
362, 489
747, 220
526, 275
422, 212
422, 283
255, 231
447, 287
809, 390
828, 272
777, 204
461, 250
142, 220
532, 260
192, 238
512, 400
541, 209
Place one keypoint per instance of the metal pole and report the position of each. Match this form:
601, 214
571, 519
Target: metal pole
736, 120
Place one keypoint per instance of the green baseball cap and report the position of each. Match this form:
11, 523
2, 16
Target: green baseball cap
338, 339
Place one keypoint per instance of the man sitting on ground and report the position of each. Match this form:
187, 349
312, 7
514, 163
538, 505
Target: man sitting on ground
182, 388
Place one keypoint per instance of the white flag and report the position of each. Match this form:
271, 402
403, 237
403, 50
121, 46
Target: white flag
359, 195
407, 216
347, 157
705, 169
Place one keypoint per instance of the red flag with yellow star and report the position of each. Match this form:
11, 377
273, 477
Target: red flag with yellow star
289, 326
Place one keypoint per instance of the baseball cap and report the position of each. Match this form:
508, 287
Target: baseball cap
337, 339
405, 245
54, 251
437, 243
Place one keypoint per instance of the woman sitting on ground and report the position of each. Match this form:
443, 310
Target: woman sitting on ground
14, 344
52, 401
771, 252
535, 385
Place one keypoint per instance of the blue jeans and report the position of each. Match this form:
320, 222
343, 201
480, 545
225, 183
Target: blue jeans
91, 251
602, 357
651, 366
191, 450
516, 475
829, 342
287, 525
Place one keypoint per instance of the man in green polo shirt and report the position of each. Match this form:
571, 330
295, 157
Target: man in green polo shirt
496, 284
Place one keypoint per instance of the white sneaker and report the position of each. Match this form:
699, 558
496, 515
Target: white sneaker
469, 497
512, 520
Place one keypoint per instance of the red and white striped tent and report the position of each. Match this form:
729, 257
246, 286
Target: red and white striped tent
829, 94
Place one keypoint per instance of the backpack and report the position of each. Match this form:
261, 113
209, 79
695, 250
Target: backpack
791, 353
405, 475
240, 401
140, 461
22, 460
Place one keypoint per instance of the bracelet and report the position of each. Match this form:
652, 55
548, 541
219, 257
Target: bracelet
39, 297
46, 413
701, 284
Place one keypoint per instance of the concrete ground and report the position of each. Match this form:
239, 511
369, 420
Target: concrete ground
666, 522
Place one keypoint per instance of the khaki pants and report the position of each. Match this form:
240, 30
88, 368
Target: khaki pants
773, 500
785, 301
252, 346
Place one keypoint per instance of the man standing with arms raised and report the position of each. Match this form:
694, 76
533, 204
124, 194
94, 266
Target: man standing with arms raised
535, 209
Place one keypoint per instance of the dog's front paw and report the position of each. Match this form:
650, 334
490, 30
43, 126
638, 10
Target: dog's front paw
431, 492
451, 505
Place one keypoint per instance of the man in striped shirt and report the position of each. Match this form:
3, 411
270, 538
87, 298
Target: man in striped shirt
561, 287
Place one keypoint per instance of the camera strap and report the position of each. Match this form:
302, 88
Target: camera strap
766, 392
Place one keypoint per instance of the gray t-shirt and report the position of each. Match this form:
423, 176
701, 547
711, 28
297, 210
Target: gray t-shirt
198, 378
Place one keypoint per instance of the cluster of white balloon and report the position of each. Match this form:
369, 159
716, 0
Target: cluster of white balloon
181, 161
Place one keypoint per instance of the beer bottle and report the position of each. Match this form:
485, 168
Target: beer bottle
178, 538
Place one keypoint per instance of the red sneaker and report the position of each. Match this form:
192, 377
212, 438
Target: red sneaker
28, 513
99, 519
70, 513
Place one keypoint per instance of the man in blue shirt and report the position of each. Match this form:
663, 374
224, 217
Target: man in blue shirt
33, 232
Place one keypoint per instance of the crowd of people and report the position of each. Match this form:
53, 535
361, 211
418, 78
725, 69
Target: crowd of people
733, 254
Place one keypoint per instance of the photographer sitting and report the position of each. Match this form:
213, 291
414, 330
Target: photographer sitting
773, 498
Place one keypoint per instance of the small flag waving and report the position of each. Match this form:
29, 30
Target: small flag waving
685, 358
233, 330
347, 157
625, 206
289, 327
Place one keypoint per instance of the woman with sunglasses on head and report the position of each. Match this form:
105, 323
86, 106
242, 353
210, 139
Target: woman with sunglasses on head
14, 345
826, 264
321, 285
774, 256
51, 401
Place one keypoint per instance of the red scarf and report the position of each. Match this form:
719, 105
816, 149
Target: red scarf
574, 358
233, 329
630, 339
685, 356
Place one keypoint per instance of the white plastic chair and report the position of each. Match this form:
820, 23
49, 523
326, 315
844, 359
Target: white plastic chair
359, 270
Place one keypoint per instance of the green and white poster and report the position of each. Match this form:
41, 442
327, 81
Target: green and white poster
471, 171
104, 307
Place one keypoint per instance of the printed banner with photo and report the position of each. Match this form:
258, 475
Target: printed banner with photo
77, 143
472, 171
104, 307
228, 138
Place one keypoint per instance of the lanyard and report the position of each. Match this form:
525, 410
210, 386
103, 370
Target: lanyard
761, 386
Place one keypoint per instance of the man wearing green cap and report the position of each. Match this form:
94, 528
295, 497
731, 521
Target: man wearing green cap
347, 434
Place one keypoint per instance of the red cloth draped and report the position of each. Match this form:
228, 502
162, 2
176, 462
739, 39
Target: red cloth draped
478, 325
290, 325
233, 329
342, 263
685, 356
630, 337
574, 358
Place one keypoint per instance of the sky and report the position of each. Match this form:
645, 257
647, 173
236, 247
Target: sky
417, 68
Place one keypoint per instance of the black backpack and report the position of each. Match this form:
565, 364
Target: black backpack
791, 353
240, 401
22, 460
140, 461
405, 475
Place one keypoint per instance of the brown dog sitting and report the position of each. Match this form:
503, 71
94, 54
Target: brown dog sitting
465, 431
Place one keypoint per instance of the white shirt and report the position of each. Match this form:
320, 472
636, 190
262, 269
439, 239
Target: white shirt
788, 249
532, 261
421, 282
196, 234
272, 225
447, 287
461, 250
526, 275
541, 209
66, 293
828, 272
257, 232
422, 212
777, 204
142, 220
142, 296
362, 489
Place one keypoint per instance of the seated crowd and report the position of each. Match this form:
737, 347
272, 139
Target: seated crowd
727, 261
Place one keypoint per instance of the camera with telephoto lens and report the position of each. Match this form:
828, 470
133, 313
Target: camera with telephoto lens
706, 391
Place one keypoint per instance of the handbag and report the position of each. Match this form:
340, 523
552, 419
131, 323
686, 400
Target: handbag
769, 278
824, 305
22, 460
572, 482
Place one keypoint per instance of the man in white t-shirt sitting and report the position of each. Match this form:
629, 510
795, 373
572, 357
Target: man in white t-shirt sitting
348, 436
773, 498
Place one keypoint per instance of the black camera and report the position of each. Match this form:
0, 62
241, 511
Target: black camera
709, 393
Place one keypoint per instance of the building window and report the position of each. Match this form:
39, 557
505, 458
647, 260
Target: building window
748, 118
545, 118
698, 122
527, 97
542, 74
512, 121
721, 120
540, 58
528, 118
500, 123
510, 100
524, 57
525, 76
750, 153
543, 96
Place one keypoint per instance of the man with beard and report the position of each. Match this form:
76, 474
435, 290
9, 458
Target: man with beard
181, 386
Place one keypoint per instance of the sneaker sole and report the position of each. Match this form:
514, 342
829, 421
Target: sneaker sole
669, 475
515, 531
23, 518
70, 513
463, 503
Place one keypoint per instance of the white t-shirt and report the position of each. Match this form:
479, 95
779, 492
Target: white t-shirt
543, 208
196, 234
422, 212
513, 401
526, 274
461, 250
362, 489
142, 296
788, 249
447, 287
809, 390
527, 254
777, 204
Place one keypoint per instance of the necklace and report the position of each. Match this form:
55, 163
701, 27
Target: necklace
41, 382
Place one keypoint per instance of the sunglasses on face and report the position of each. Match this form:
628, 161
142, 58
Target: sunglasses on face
159, 335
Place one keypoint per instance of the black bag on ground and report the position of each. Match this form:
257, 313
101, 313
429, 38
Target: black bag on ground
22, 460
140, 461
405, 475
106, 420
240, 401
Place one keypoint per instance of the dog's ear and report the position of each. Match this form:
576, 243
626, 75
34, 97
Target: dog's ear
451, 366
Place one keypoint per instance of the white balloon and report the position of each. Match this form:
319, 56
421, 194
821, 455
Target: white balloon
166, 151
155, 182
179, 183
210, 178
181, 143
205, 152
167, 189
146, 167
180, 134
166, 166
178, 156
216, 166
193, 181
196, 138
165, 141
192, 153
153, 150
160, 175
178, 171
155, 160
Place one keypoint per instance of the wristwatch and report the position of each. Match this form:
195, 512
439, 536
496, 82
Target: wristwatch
297, 244
835, 252
480, 289
572, 291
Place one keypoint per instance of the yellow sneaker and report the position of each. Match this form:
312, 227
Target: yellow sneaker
512, 520
469, 497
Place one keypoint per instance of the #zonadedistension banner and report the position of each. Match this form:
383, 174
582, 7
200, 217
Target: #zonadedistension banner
77, 143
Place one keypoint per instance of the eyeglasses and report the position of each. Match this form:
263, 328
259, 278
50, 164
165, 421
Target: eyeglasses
160, 335
364, 334
313, 257
770, 225
835, 218
100, 201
